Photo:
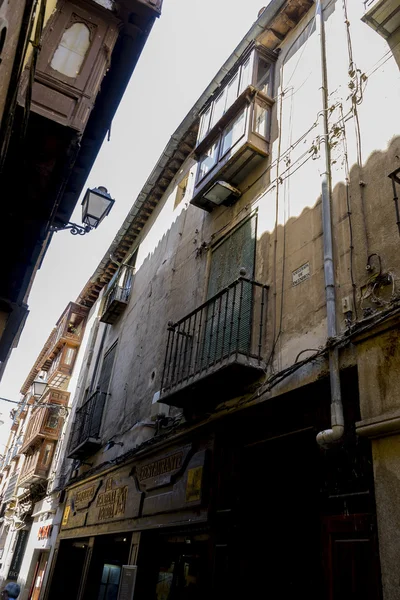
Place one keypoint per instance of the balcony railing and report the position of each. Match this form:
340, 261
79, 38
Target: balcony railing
218, 347
118, 295
85, 432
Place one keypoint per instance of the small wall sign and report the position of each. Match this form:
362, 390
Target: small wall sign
193, 486
301, 274
45, 532
127, 582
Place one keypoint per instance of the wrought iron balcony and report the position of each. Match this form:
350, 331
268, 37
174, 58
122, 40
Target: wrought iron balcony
116, 302
84, 436
118, 294
215, 351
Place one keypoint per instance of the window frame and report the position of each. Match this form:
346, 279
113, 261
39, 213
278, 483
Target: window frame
254, 55
222, 154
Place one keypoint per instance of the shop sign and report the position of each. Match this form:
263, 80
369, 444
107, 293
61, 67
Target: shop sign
83, 498
44, 532
18, 554
159, 472
112, 502
107, 499
161, 466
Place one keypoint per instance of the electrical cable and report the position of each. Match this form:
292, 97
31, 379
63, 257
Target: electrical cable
349, 213
356, 97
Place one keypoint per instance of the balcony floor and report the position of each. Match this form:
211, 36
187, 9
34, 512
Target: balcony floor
226, 379
85, 448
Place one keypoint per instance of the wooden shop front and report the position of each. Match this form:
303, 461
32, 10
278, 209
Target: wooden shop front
105, 516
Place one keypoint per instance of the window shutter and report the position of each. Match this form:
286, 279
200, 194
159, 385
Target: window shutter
106, 369
234, 252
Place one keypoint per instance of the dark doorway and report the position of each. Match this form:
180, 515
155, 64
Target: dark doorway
69, 569
173, 567
278, 525
110, 552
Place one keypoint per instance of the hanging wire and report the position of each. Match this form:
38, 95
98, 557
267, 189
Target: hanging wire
349, 212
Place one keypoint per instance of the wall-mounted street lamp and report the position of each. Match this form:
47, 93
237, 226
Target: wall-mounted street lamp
96, 205
39, 387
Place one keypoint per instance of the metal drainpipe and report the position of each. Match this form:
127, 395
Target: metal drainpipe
336, 431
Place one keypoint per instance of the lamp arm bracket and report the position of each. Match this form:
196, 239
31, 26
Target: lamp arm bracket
74, 228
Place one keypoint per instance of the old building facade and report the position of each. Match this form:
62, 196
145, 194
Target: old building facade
29, 488
235, 427
64, 67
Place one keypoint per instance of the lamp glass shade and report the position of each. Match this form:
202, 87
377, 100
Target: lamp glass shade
96, 205
220, 192
39, 387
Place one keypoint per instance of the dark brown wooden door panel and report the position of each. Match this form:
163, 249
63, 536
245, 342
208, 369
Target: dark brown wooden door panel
351, 562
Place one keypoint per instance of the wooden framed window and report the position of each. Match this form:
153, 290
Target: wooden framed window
71, 51
256, 70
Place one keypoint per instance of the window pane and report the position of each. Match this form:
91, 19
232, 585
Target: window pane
106, 572
208, 160
245, 76
70, 54
261, 120
233, 132
219, 108
47, 454
263, 75
232, 91
204, 124
69, 356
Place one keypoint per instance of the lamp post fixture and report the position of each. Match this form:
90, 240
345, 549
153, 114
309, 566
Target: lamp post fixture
96, 205
39, 387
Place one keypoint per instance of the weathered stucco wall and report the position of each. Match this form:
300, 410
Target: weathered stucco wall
175, 245
386, 457
171, 273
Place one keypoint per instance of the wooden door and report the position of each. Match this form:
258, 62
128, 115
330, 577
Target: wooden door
351, 561
38, 577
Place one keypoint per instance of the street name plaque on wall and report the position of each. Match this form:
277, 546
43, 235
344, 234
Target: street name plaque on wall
301, 274
128, 580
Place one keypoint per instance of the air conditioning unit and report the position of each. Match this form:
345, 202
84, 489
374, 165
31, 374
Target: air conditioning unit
383, 16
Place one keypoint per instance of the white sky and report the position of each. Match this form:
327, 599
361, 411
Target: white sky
185, 49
